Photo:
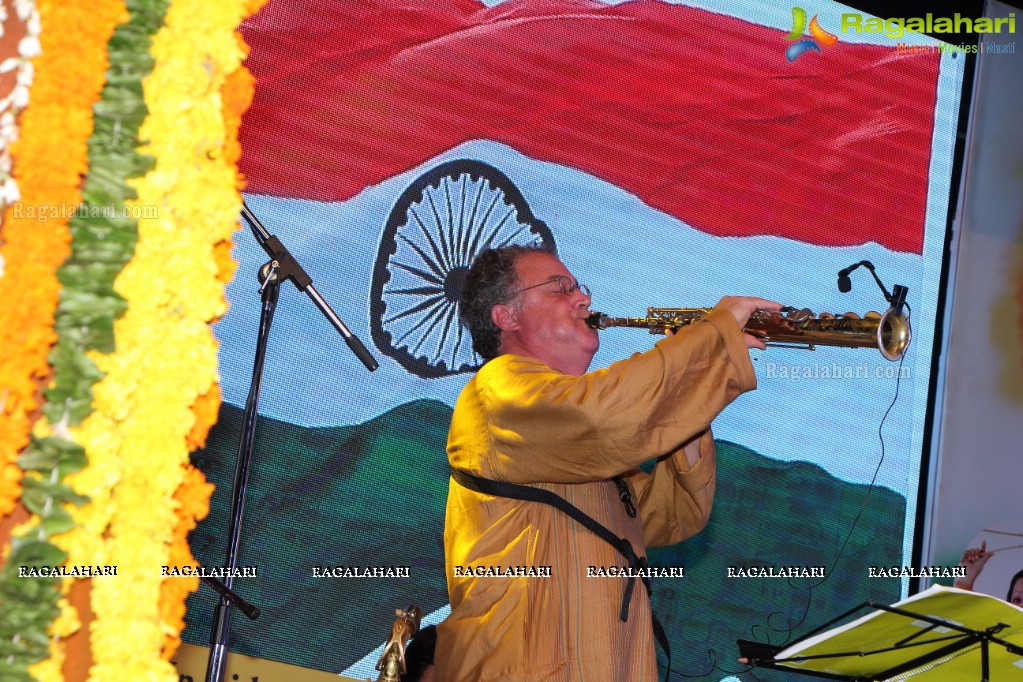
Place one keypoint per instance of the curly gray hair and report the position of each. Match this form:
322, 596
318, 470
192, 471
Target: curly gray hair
491, 281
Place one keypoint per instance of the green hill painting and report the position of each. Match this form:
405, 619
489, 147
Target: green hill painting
374, 495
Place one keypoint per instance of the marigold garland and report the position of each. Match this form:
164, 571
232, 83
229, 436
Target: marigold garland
194, 494
159, 394
35, 230
193, 498
35, 243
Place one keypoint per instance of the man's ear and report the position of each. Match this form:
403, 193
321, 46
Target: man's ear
505, 317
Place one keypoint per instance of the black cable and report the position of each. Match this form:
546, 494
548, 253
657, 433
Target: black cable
859, 514
790, 627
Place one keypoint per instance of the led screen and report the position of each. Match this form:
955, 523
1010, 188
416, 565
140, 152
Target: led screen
673, 154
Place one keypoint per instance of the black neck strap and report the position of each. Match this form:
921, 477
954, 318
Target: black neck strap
515, 491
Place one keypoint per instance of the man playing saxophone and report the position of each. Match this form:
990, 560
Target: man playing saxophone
533, 415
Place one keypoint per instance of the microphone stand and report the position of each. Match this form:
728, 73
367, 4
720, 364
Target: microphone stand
281, 266
289, 268
251, 611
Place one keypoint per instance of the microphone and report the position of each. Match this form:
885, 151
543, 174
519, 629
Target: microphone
844, 283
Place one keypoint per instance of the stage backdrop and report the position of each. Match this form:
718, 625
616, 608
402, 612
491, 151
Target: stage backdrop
673, 154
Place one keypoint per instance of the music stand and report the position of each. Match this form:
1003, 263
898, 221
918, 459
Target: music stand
942, 633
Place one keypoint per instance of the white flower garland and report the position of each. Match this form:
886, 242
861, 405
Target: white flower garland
17, 99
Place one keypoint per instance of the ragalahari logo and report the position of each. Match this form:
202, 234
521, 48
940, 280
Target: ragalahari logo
821, 38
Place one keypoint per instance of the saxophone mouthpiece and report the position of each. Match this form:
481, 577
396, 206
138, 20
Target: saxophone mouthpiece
597, 320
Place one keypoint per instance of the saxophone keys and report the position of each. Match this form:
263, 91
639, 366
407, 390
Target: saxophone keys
800, 316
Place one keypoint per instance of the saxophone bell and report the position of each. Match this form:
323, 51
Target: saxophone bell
893, 334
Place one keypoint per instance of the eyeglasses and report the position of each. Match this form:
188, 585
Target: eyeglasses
567, 287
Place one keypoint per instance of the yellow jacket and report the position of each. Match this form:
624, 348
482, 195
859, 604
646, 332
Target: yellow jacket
520, 421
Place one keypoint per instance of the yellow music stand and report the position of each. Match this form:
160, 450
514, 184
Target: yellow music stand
940, 634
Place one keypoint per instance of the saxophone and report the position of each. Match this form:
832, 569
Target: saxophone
392, 662
890, 333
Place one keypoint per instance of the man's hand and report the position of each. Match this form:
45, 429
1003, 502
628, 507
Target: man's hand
741, 307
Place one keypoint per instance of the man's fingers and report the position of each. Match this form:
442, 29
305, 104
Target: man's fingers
765, 304
754, 342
